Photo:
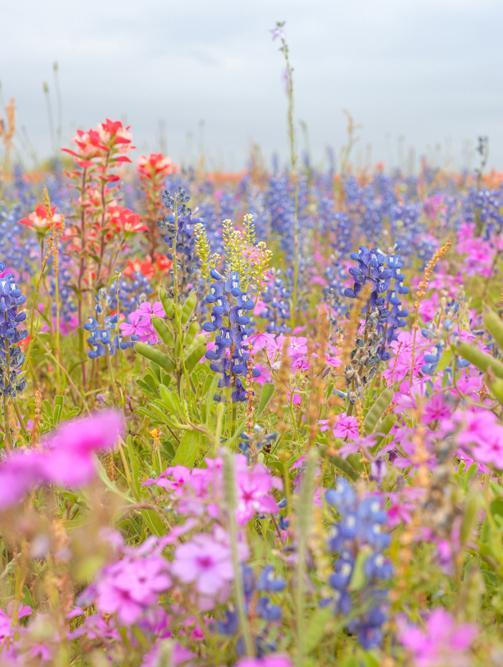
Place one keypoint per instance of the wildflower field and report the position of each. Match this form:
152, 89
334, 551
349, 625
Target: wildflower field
249, 419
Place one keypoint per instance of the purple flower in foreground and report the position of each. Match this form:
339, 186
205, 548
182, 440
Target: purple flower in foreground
267, 661
205, 563
129, 586
140, 325
65, 458
68, 459
443, 643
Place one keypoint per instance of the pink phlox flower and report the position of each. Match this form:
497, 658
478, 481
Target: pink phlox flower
179, 655
199, 491
345, 427
400, 364
264, 375
482, 433
254, 491
132, 584
278, 660
140, 324
479, 253
205, 563
66, 457
443, 642
436, 409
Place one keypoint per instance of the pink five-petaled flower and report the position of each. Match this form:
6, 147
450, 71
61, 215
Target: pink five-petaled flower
345, 427
43, 219
205, 562
66, 457
131, 585
267, 661
200, 490
443, 643
254, 491
483, 435
140, 324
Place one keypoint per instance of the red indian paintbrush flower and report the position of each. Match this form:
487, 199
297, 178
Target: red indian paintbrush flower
43, 219
155, 165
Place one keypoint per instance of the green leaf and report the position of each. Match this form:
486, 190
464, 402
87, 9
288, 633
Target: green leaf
58, 408
189, 449
358, 577
110, 485
350, 661
316, 627
384, 425
494, 324
369, 660
155, 355
497, 390
172, 401
167, 304
188, 307
265, 397
345, 467
377, 411
195, 353
164, 331
470, 516
497, 508
480, 359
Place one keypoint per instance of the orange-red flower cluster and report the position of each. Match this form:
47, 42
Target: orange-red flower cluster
156, 165
43, 219
110, 140
122, 219
147, 267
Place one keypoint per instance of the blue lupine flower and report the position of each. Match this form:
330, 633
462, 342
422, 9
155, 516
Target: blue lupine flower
276, 296
232, 325
383, 272
105, 337
268, 582
11, 333
178, 231
360, 526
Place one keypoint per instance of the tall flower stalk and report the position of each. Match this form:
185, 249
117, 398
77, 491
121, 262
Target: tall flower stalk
278, 33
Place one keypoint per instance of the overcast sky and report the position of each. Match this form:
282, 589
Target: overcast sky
422, 73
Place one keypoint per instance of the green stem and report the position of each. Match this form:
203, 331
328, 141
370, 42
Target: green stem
231, 504
304, 516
